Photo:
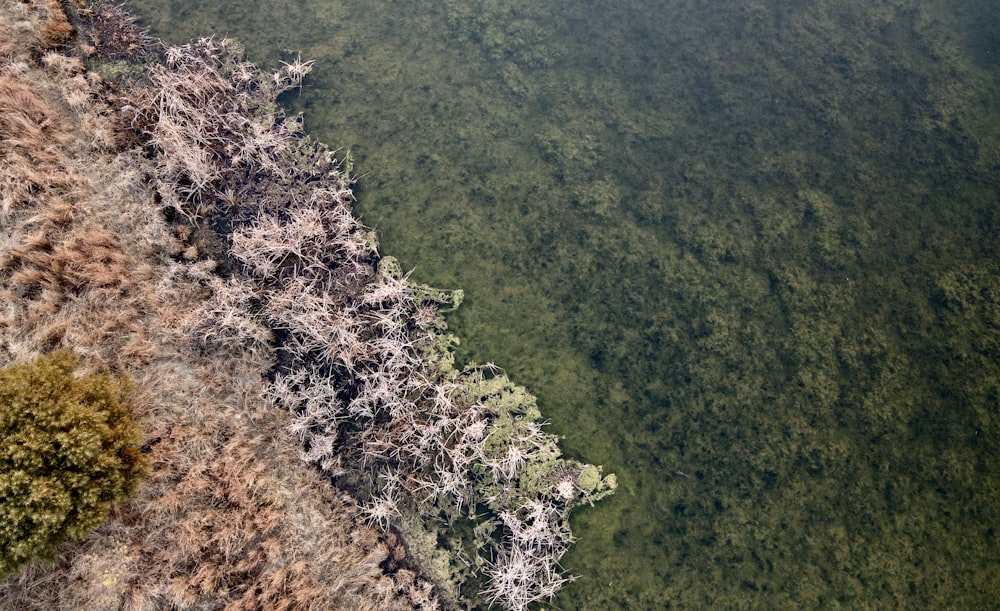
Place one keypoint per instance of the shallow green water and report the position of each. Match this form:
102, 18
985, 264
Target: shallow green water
745, 253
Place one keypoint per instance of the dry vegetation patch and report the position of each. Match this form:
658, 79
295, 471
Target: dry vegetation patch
230, 518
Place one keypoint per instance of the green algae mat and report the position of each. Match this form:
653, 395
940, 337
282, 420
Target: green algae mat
746, 254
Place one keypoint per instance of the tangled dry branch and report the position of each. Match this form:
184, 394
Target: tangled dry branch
366, 364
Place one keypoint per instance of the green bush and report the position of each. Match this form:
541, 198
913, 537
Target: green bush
68, 450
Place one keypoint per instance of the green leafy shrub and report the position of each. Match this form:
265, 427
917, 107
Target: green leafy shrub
68, 450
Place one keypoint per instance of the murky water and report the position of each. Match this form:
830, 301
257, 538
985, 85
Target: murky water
745, 253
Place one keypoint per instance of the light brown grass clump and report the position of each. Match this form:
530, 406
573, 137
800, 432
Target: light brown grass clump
53, 256
8, 49
57, 254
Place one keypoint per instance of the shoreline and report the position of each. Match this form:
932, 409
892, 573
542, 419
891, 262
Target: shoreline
374, 396
230, 516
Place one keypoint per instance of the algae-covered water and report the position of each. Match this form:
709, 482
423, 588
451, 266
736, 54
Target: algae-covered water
747, 254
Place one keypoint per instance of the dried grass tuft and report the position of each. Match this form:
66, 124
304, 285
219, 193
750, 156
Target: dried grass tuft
32, 164
56, 30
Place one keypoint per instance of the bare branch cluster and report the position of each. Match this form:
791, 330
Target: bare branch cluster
210, 113
114, 32
366, 361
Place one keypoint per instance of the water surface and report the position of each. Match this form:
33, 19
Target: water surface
745, 253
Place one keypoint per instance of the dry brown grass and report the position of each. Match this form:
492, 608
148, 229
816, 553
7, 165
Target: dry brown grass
8, 48
56, 30
234, 521
55, 259
31, 162
230, 518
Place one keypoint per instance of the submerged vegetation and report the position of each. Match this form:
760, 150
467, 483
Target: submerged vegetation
744, 252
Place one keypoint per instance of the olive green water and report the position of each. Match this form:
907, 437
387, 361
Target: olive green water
745, 252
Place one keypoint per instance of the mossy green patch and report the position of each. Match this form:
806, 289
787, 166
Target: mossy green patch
68, 452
